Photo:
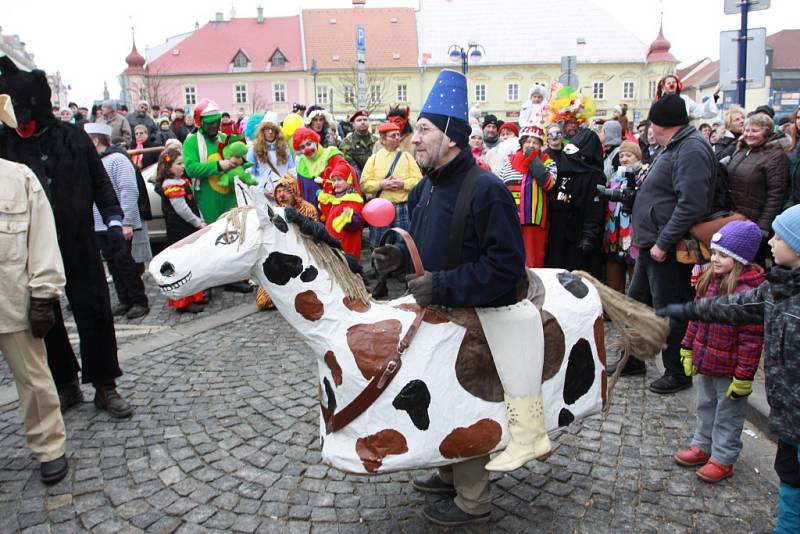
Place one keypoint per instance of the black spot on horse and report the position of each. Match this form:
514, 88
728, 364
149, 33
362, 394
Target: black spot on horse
565, 417
280, 224
309, 274
580, 371
414, 399
574, 284
330, 396
279, 268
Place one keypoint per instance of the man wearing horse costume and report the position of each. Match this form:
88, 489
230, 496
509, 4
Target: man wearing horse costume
479, 268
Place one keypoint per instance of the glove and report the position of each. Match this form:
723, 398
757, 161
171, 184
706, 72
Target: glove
387, 258
538, 171
421, 287
116, 242
686, 360
685, 311
42, 316
739, 388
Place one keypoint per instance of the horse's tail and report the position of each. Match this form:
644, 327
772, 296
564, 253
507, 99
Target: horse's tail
641, 331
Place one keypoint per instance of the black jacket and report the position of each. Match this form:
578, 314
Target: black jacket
775, 304
677, 191
493, 256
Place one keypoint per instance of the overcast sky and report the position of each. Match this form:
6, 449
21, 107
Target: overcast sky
88, 40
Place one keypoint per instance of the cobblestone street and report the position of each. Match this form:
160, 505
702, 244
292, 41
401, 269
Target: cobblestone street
225, 438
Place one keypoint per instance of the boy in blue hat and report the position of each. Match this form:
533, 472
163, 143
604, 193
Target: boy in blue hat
481, 270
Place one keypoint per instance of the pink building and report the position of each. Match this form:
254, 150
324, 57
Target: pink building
246, 65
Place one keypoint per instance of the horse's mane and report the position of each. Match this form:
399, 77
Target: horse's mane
327, 252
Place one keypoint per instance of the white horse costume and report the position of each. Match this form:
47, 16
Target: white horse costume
444, 404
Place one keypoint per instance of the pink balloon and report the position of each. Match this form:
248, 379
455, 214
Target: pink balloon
378, 212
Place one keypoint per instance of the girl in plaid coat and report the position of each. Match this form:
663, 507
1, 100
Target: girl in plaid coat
724, 356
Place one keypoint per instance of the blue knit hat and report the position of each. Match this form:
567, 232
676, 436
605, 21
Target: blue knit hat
787, 226
447, 106
739, 240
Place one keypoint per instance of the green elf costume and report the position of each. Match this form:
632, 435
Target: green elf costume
202, 156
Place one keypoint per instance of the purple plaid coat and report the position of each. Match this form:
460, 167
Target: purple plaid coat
727, 350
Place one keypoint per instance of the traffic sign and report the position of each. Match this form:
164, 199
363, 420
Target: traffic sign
361, 39
734, 7
729, 58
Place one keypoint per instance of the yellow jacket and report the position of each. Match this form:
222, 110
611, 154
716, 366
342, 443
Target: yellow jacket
30, 260
378, 165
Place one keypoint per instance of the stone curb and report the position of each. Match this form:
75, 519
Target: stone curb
8, 394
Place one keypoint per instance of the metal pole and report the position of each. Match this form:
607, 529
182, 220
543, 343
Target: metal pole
742, 70
464, 62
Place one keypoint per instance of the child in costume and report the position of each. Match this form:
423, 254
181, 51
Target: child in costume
724, 356
181, 215
343, 211
776, 305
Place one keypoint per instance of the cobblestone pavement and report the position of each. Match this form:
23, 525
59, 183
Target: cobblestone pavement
225, 438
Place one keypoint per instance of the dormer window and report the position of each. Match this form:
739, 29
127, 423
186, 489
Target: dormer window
240, 60
278, 59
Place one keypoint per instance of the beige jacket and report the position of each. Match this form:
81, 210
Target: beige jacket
30, 260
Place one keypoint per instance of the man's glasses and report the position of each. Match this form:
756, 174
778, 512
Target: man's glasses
395, 135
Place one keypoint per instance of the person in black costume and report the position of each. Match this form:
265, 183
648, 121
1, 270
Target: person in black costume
67, 165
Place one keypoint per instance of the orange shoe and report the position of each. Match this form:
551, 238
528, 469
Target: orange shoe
691, 457
714, 472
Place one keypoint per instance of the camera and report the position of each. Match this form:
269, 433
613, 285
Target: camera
625, 195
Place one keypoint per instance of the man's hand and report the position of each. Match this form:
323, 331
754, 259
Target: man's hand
127, 232
685, 311
236, 161
387, 258
657, 254
225, 164
116, 241
421, 287
42, 316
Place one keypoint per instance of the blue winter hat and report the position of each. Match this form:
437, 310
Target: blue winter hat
787, 226
739, 240
447, 106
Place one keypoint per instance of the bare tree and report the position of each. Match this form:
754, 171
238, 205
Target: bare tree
258, 101
377, 89
156, 89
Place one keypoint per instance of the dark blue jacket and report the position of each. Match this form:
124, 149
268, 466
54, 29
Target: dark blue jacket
493, 256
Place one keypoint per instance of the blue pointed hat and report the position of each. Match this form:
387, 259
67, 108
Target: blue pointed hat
447, 106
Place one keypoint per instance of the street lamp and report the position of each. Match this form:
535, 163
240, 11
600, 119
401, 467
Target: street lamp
314, 72
473, 51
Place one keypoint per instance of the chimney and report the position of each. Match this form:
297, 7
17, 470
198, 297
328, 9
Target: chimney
218, 17
260, 11
359, 3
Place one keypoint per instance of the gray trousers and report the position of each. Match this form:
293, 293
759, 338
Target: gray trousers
471, 481
719, 419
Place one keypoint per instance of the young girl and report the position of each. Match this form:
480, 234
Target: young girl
726, 357
776, 305
342, 209
181, 215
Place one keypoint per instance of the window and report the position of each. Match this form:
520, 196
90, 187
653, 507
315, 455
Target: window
190, 95
240, 61
322, 95
599, 90
480, 93
240, 93
402, 93
279, 92
349, 94
627, 90
512, 90
651, 89
278, 59
375, 94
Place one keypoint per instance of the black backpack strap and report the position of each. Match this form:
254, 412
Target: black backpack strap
455, 239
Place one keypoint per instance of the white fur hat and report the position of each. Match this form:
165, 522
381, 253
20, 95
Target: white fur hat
271, 116
538, 89
7, 116
97, 128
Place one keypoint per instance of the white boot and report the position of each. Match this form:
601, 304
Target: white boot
528, 437
516, 338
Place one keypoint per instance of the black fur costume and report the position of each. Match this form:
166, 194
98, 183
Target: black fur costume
67, 164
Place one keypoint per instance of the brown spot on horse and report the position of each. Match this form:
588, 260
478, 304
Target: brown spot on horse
475, 440
356, 305
372, 344
309, 306
554, 345
333, 365
432, 315
600, 343
374, 448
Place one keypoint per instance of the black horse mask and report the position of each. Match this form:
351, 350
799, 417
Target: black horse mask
30, 96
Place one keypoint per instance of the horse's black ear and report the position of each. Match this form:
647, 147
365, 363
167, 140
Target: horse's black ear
7, 66
270, 212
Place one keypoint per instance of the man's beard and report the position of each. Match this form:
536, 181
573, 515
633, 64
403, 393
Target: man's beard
489, 139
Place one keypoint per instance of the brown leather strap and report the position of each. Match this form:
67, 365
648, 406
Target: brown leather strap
419, 270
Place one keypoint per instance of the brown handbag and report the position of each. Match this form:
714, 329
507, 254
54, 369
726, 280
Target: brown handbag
695, 248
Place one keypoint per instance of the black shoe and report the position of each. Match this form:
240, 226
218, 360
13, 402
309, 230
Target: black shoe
433, 484
54, 470
381, 290
239, 287
670, 384
192, 308
136, 311
69, 395
107, 398
121, 309
447, 514
633, 367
